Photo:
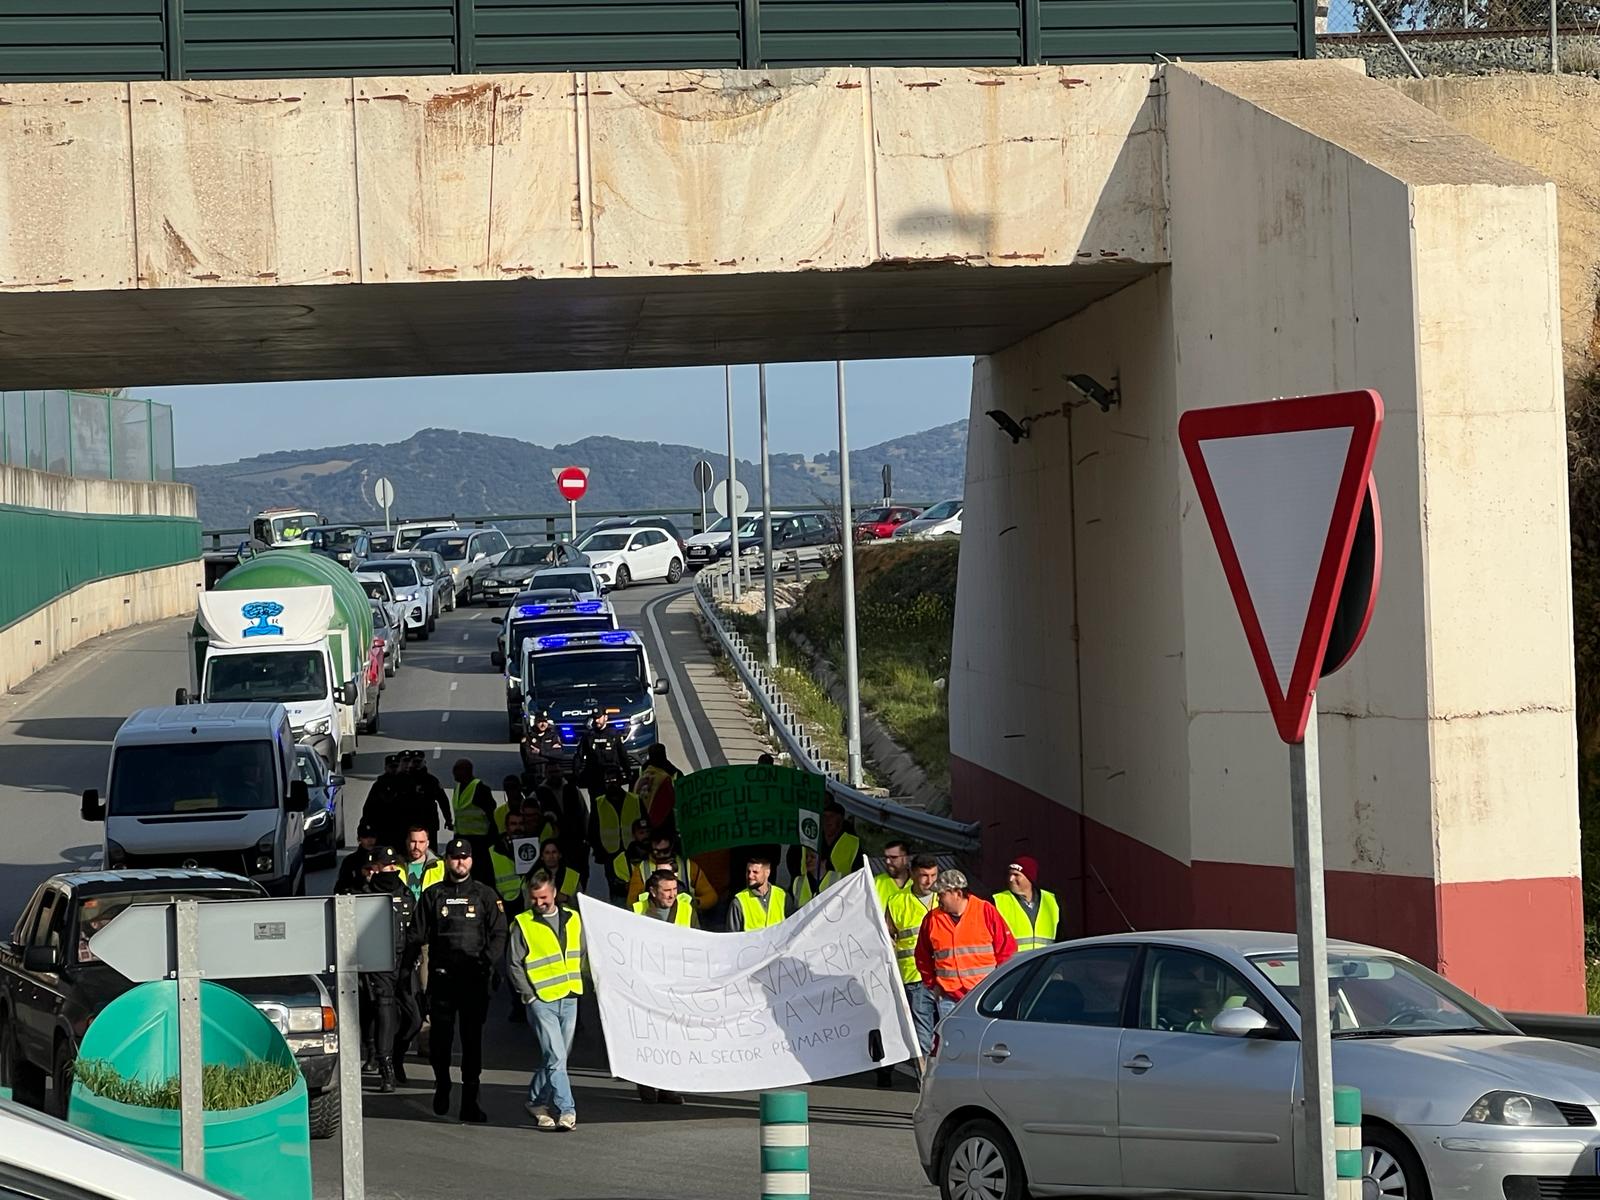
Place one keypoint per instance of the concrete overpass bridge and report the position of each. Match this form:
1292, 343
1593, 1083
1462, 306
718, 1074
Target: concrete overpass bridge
1199, 233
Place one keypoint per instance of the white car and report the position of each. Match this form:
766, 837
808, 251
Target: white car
407, 535
623, 556
405, 577
581, 580
940, 520
40, 1156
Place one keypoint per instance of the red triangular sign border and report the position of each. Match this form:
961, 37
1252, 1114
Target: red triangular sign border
1360, 412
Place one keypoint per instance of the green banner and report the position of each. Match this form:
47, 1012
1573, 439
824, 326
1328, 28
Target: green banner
745, 805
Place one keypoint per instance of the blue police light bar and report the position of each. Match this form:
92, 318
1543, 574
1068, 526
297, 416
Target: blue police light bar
552, 643
533, 610
614, 637
588, 606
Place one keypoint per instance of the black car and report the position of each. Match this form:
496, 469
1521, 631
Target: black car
52, 986
325, 824
516, 567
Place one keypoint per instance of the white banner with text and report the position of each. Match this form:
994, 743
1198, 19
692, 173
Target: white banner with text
805, 1000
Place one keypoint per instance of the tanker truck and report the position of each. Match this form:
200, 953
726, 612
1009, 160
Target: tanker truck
290, 627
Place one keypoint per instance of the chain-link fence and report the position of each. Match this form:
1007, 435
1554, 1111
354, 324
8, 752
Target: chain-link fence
1463, 37
92, 435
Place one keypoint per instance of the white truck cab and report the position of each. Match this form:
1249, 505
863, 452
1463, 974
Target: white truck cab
284, 526
205, 786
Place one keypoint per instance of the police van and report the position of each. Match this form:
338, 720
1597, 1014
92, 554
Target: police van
571, 676
525, 619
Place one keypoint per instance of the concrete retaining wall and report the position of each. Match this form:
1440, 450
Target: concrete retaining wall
102, 605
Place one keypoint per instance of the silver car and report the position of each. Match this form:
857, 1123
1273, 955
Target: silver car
436, 577
1169, 1063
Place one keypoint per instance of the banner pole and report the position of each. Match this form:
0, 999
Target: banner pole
905, 1003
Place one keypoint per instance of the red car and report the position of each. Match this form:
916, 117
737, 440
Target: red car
874, 524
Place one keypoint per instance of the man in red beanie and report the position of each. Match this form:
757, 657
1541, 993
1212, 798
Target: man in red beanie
1030, 912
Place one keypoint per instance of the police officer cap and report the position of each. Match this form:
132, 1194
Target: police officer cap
390, 760
366, 857
458, 848
386, 857
365, 829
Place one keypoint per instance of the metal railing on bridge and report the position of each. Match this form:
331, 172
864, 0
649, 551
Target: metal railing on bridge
90, 435
914, 823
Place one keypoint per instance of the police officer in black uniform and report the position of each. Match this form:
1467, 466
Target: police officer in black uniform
389, 802
463, 926
430, 805
602, 756
386, 991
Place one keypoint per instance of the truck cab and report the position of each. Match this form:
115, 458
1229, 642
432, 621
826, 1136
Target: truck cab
211, 786
284, 526
283, 645
528, 619
571, 676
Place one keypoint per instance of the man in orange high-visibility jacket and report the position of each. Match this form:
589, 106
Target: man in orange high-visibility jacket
963, 939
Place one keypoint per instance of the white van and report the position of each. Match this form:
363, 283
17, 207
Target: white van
206, 786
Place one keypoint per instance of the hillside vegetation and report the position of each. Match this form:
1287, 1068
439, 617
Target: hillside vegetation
905, 617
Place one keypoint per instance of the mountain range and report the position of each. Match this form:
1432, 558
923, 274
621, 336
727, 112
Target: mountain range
438, 472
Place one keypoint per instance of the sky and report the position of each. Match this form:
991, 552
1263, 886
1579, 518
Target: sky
887, 398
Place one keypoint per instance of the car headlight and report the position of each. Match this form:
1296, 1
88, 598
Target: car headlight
1513, 1108
647, 717
316, 820
320, 725
263, 854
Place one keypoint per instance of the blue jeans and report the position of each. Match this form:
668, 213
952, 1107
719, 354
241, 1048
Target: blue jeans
924, 1014
554, 1024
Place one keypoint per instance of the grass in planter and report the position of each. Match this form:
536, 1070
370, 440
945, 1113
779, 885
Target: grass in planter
222, 1087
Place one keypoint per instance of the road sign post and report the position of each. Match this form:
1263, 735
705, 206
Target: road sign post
187, 940
733, 479
1286, 489
703, 479
888, 482
768, 567
383, 492
572, 483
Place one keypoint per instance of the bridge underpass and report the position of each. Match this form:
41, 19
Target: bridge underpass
1195, 234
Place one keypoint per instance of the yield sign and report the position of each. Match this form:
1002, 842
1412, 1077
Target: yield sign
1282, 485
572, 482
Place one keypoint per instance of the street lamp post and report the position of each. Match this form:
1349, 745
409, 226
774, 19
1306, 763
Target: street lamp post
768, 566
733, 517
852, 679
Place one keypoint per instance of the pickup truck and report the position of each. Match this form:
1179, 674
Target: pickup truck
52, 986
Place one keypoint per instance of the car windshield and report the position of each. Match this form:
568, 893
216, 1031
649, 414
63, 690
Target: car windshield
603, 542
527, 556
546, 596
589, 670
380, 617
1384, 995
407, 538
381, 543
942, 511
451, 549
96, 912
578, 581
289, 526
306, 766
336, 539
399, 574
373, 588
186, 777
285, 676
872, 515
428, 565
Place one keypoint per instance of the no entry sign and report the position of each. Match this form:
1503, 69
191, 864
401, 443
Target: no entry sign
1283, 484
572, 482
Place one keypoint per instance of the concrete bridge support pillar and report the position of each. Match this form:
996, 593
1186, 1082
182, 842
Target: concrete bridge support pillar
1325, 234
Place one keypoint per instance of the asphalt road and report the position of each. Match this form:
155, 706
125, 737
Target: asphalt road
55, 736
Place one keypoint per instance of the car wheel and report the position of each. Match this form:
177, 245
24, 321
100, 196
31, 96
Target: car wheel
422, 632
390, 666
980, 1163
433, 622
675, 571
25, 1080
324, 1112
60, 1082
1390, 1168
624, 577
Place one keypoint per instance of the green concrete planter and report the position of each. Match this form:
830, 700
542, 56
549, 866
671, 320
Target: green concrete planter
260, 1152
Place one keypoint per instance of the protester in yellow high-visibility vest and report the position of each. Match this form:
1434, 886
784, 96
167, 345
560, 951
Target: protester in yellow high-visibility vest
1030, 912
664, 856
907, 912
809, 884
663, 902
614, 814
472, 817
545, 955
566, 879
841, 849
761, 903
897, 872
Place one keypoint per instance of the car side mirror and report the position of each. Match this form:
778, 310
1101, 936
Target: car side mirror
1239, 1022
348, 694
498, 620
299, 795
497, 659
41, 958
336, 781
478, 557
93, 809
661, 686
605, 588
181, 696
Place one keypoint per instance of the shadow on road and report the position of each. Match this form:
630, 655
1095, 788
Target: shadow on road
68, 729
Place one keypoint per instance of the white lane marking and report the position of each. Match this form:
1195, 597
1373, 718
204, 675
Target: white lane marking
443, 717
437, 750
475, 616
703, 759
454, 685
460, 658
465, 636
